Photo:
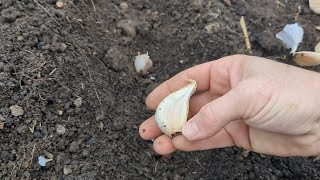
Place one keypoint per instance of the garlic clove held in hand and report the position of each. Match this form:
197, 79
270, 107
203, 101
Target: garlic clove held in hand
172, 112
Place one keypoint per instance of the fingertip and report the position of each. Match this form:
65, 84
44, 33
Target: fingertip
149, 130
163, 145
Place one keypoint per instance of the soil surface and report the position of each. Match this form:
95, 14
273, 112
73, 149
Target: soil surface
76, 99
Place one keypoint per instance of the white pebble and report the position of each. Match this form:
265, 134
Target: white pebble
67, 170
60, 130
78, 102
16, 110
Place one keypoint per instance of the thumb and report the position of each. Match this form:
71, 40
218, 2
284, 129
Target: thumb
214, 116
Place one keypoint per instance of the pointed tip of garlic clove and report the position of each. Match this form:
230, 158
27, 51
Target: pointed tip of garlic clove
172, 112
306, 58
315, 6
143, 63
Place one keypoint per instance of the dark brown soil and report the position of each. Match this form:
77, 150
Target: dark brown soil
46, 65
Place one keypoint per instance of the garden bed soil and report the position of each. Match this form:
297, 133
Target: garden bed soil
75, 69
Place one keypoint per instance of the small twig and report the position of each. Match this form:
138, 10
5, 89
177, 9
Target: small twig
1, 125
20, 83
245, 34
201, 43
279, 3
156, 166
32, 153
197, 160
94, 6
298, 13
35, 1
52, 71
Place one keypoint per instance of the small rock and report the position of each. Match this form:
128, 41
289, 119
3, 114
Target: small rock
22, 129
20, 38
1, 66
58, 47
16, 110
124, 7
67, 170
85, 153
59, 4
115, 59
213, 27
48, 155
27, 175
60, 130
60, 112
60, 158
75, 146
59, 13
128, 27
78, 102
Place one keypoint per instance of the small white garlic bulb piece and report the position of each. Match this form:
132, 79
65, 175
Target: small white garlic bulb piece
142, 63
172, 112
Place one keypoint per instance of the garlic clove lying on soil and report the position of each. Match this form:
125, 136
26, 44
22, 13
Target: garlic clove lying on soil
142, 63
306, 58
315, 6
172, 112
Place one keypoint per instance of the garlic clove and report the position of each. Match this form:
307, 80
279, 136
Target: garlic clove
317, 48
143, 63
315, 6
307, 58
172, 112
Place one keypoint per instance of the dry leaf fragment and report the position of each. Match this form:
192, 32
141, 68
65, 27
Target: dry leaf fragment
306, 58
1, 125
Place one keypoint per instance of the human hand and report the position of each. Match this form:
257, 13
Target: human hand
254, 103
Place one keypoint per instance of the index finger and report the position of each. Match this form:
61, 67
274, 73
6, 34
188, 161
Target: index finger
199, 73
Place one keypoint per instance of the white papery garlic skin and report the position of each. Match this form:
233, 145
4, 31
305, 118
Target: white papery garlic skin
172, 112
291, 36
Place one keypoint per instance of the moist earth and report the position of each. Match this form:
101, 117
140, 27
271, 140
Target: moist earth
68, 74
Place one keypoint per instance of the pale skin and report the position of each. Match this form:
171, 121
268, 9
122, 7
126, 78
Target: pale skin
258, 104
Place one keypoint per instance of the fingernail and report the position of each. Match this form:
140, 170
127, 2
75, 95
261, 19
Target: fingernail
190, 130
